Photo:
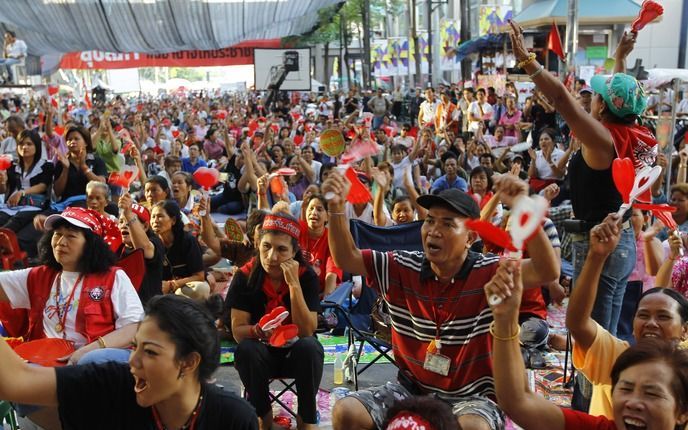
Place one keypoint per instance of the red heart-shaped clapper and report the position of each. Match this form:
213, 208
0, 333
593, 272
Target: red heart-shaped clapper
298, 139
5, 162
206, 177
221, 114
253, 125
274, 318
488, 232
284, 334
59, 130
358, 193
175, 133
623, 174
125, 177
648, 12
53, 89
275, 128
45, 352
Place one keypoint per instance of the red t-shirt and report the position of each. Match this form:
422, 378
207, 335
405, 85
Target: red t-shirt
574, 420
317, 253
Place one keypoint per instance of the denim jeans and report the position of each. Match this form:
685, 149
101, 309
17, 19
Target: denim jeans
612, 285
104, 355
8, 63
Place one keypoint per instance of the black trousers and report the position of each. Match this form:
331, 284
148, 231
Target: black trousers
257, 363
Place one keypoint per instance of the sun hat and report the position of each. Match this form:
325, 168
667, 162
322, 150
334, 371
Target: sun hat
623, 93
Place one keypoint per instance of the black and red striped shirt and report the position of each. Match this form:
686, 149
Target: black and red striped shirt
417, 302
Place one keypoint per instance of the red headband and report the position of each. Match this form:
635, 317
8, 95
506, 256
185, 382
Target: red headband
283, 225
406, 420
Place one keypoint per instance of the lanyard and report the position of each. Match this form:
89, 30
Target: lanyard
190, 423
62, 311
439, 317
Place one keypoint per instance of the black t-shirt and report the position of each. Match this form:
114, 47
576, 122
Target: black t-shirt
152, 280
76, 180
102, 397
230, 190
350, 105
253, 300
593, 193
183, 258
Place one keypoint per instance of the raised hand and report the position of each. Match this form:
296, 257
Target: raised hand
518, 42
507, 285
336, 188
605, 236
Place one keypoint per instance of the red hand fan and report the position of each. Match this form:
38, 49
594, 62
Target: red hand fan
206, 177
285, 171
648, 207
359, 149
649, 11
358, 193
5, 162
45, 352
277, 185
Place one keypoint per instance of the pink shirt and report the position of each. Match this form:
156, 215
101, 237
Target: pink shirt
513, 120
639, 272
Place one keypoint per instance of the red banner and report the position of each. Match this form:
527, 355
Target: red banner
236, 55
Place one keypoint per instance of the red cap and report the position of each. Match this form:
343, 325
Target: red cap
141, 212
90, 220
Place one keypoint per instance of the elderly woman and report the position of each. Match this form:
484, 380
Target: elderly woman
98, 197
77, 294
279, 276
183, 260
25, 183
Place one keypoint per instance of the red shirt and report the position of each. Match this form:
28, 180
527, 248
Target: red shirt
317, 253
575, 420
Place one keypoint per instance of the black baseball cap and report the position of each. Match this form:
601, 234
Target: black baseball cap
452, 198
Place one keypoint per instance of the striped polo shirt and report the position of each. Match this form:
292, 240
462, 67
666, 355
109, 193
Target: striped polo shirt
422, 308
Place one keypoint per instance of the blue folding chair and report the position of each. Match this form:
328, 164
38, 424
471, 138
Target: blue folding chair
358, 317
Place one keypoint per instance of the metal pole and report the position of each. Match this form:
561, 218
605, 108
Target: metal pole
572, 33
411, 36
670, 147
416, 51
465, 36
429, 19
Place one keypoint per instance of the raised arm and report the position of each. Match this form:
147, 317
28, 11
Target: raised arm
23, 383
344, 252
524, 407
663, 278
626, 45
603, 239
379, 198
139, 238
593, 135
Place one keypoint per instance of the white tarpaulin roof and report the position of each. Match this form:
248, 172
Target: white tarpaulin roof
154, 26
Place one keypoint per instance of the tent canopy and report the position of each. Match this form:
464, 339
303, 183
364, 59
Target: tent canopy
590, 12
482, 43
155, 26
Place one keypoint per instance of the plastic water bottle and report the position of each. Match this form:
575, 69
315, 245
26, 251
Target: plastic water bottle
338, 375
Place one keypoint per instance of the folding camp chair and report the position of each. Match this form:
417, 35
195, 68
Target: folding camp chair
358, 317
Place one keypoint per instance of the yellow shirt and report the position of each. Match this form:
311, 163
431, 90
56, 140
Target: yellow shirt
596, 364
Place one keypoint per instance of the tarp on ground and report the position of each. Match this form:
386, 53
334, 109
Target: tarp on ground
154, 26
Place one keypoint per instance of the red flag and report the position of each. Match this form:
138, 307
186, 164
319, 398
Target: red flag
554, 42
87, 99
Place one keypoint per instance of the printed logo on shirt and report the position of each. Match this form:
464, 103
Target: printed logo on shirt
96, 294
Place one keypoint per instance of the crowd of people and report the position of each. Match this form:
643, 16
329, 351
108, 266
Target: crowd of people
460, 157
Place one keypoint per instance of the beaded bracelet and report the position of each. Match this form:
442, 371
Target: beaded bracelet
531, 57
504, 339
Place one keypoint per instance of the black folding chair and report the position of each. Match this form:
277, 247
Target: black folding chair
358, 319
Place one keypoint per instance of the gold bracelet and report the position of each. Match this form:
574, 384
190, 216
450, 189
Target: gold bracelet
531, 57
504, 339
101, 342
682, 165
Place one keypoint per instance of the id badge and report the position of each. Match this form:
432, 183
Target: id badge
437, 363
